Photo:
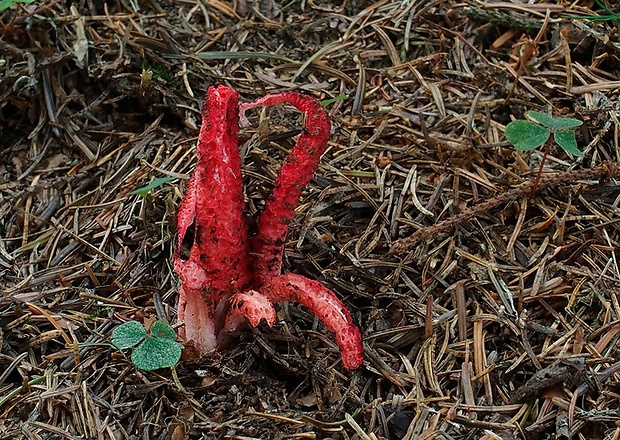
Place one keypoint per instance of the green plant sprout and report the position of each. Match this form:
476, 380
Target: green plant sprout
157, 348
99, 312
608, 16
4, 4
154, 184
159, 72
330, 101
526, 135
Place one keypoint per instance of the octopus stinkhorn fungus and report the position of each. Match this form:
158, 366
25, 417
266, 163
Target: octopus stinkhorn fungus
226, 276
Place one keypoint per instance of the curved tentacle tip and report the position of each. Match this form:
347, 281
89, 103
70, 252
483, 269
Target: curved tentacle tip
349, 340
254, 306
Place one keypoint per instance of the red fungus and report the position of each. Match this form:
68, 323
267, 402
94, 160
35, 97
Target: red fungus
223, 276
294, 175
324, 304
212, 254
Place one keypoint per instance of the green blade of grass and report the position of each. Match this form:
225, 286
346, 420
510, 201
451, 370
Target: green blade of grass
606, 9
154, 184
330, 101
594, 18
609, 16
18, 390
4, 4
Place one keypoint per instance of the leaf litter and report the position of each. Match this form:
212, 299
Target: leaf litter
496, 315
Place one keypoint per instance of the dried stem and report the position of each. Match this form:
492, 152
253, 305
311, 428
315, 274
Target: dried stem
404, 245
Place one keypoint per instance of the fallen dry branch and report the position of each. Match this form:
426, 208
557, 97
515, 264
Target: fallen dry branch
603, 171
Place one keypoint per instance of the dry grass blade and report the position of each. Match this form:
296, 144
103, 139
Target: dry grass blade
360, 90
389, 46
315, 56
242, 56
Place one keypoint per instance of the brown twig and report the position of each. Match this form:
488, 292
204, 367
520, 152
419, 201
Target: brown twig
531, 49
404, 245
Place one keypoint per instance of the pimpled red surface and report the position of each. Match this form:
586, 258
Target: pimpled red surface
223, 274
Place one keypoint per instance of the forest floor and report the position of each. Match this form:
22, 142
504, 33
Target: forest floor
489, 304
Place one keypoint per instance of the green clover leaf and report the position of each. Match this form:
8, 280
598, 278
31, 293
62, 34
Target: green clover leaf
566, 140
554, 123
157, 349
155, 353
526, 135
162, 330
128, 335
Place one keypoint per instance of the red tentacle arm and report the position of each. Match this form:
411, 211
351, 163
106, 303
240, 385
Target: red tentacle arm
225, 279
212, 254
254, 306
324, 304
294, 175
